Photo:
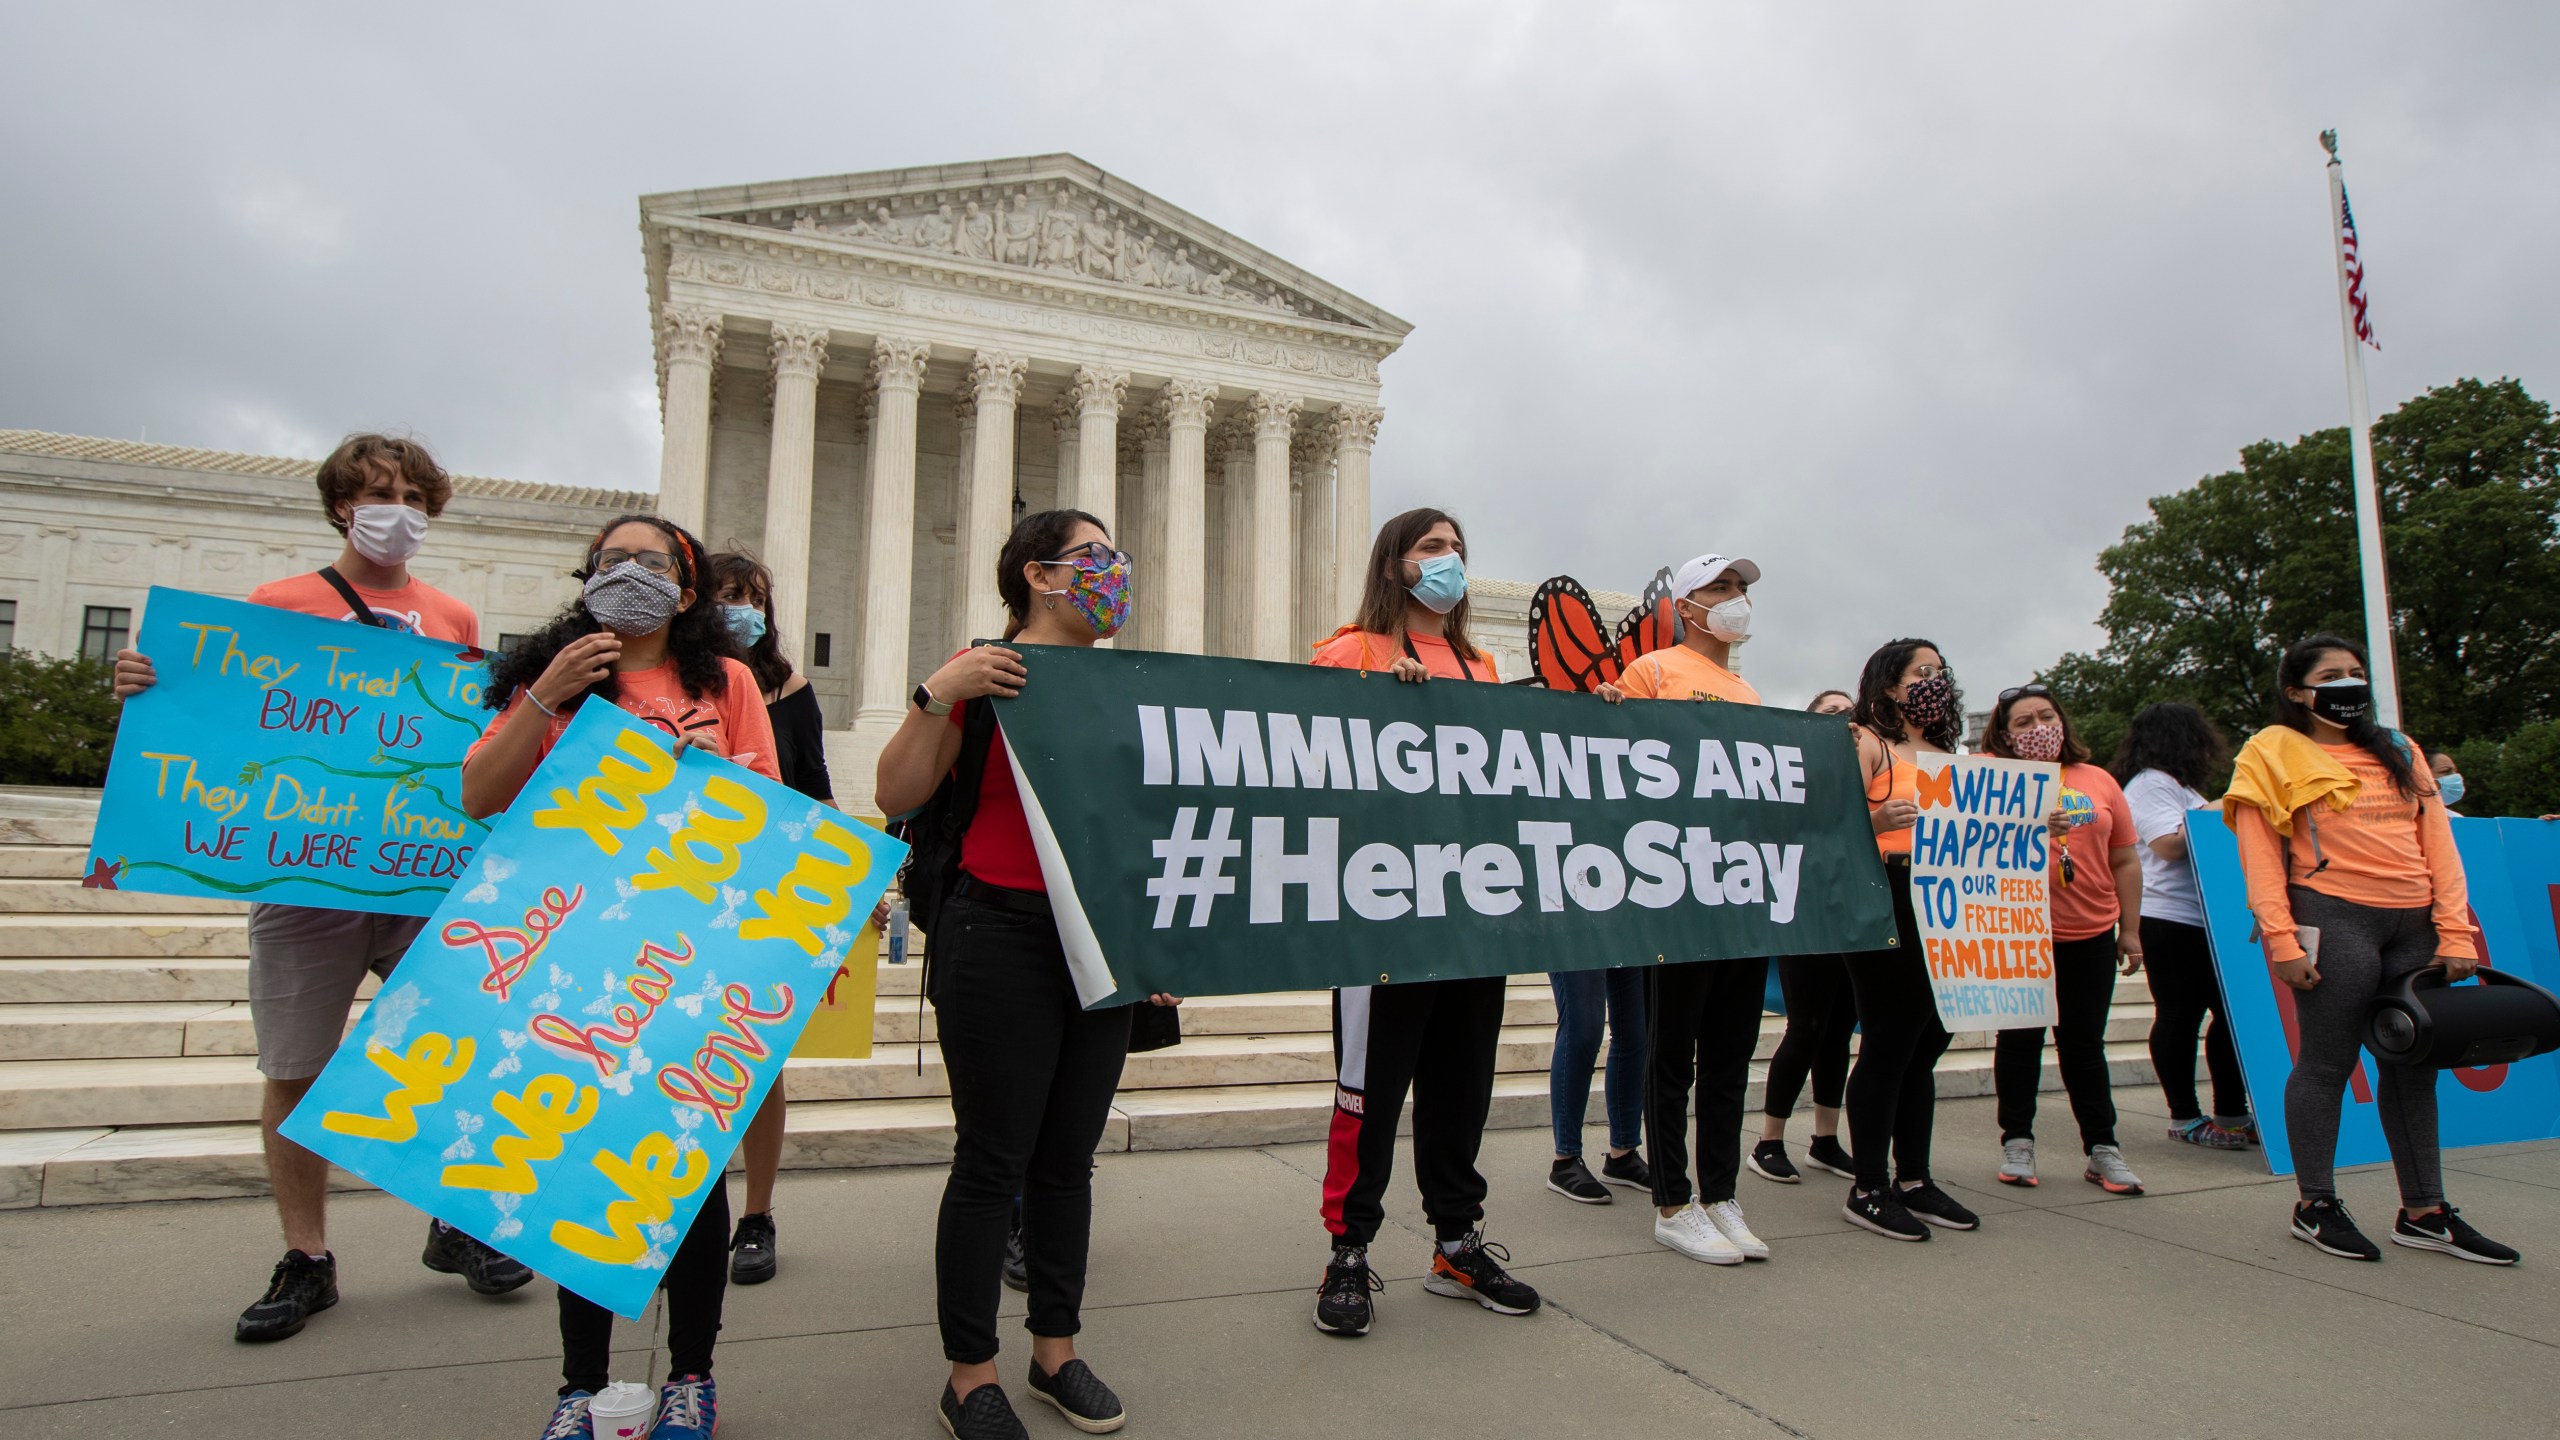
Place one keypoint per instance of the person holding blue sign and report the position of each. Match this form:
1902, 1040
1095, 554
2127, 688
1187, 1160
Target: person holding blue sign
2355, 882
646, 635
305, 963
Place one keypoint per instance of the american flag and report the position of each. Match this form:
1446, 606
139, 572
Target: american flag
2354, 263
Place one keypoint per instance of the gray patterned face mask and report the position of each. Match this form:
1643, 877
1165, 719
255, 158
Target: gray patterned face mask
629, 600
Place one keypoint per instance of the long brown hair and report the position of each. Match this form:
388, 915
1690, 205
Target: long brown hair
1384, 597
734, 567
1995, 731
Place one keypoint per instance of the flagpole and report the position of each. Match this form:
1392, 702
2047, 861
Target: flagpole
2381, 667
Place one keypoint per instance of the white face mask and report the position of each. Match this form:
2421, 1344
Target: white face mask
387, 534
1727, 620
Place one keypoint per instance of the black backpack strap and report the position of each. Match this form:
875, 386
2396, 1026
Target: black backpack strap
355, 602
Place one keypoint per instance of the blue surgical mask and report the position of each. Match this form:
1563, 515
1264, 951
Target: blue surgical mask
1442, 584
2450, 787
746, 622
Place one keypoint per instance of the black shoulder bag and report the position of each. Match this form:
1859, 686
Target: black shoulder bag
356, 607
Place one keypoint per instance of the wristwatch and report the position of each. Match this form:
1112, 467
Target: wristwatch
925, 702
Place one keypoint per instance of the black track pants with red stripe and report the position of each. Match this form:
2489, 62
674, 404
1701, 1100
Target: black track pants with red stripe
1436, 1038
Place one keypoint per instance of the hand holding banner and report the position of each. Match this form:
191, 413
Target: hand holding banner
563, 1062
288, 758
1982, 888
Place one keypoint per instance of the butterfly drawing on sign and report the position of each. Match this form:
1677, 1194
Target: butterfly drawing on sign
1571, 646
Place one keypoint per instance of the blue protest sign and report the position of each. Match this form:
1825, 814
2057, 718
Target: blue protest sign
2487, 1105
565, 1059
288, 758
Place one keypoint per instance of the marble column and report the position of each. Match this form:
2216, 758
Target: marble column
986, 510
1147, 539
1063, 417
1235, 538
689, 340
1354, 431
1313, 488
1184, 588
964, 466
798, 353
897, 373
1096, 394
1272, 631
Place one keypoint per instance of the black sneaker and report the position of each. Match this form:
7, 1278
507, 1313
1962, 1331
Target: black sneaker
301, 1288
1475, 1273
1769, 1161
1936, 1206
1080, 1395
1342, 1301
1826, 1153
1628, 1170
753, 1256
1879, 1211
1017, 1270
2446, 1231
1573, 1180
2325, 1225
451, 1252
985, 1415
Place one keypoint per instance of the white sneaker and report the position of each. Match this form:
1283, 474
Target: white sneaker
1726, 1216
1692, 1234
2018, 1162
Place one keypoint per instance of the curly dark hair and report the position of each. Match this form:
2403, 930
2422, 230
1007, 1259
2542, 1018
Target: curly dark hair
2174, 738
2389, 748
698, 638
1036, 536
737, 569
1877, 710
1995, 731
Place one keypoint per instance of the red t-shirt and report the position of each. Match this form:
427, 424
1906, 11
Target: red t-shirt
417, 609
733, 723
997, 848
2088, 905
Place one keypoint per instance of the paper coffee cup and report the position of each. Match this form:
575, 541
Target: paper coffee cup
623, 1411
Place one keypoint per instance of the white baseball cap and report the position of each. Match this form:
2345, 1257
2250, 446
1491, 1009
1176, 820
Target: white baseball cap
1701, 572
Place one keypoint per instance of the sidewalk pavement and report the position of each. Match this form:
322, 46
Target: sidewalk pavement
2187, 1312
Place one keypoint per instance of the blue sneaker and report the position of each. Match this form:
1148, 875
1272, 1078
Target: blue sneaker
570, 1421
688, 1409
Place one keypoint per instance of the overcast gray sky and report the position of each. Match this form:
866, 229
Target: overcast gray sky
1916, 305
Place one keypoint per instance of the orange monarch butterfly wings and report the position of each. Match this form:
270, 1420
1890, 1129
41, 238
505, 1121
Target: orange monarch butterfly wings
1572, 648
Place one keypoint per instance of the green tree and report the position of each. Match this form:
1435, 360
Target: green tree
2205, 595
57, 720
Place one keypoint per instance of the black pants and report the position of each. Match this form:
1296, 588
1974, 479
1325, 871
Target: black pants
1032, 1076
2178, 960
696, 1282
2084, 986
1703, 1022
1893, 1089
1437, 1039
1821, 1016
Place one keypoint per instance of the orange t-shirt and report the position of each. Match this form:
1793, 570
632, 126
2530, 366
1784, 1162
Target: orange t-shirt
2089, 904
1901, 782
2389, 851
1677, 672
732, 723
1364, 651
417, 609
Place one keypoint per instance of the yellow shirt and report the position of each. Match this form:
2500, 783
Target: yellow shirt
1680, 673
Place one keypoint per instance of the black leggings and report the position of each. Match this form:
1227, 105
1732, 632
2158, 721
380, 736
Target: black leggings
2179, 962
1032, 1074
1893, 1089
696, 1282
2084, 986
1821, 1015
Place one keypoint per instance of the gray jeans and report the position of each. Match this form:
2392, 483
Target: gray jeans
2361, 950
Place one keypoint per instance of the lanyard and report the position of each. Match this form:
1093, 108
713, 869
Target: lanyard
1463, 667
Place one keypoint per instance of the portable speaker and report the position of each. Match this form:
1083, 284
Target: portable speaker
2428, 1024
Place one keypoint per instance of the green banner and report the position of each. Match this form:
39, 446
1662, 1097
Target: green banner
1220, 827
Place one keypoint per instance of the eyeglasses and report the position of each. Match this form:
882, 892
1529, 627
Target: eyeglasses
657, 562
1093, 555
1930, 672
2021, 692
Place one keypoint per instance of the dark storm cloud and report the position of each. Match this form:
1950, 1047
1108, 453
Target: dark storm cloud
1914, 308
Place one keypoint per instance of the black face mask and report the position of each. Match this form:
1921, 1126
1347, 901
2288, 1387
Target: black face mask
2342, 702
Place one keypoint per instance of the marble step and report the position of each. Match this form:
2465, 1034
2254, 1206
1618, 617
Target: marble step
40, 896
123, 936
84, 980
44, 862
68, 828
98, 1164
115, 1032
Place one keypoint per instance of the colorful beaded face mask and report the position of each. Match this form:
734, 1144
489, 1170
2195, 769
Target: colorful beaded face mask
1099, 593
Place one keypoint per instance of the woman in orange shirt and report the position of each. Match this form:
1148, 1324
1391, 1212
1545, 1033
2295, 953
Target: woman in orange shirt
1436, 1038
1908, 704
2349, 901
2097, 925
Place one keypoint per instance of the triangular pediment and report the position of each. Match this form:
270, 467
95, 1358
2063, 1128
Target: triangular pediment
1053, 215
